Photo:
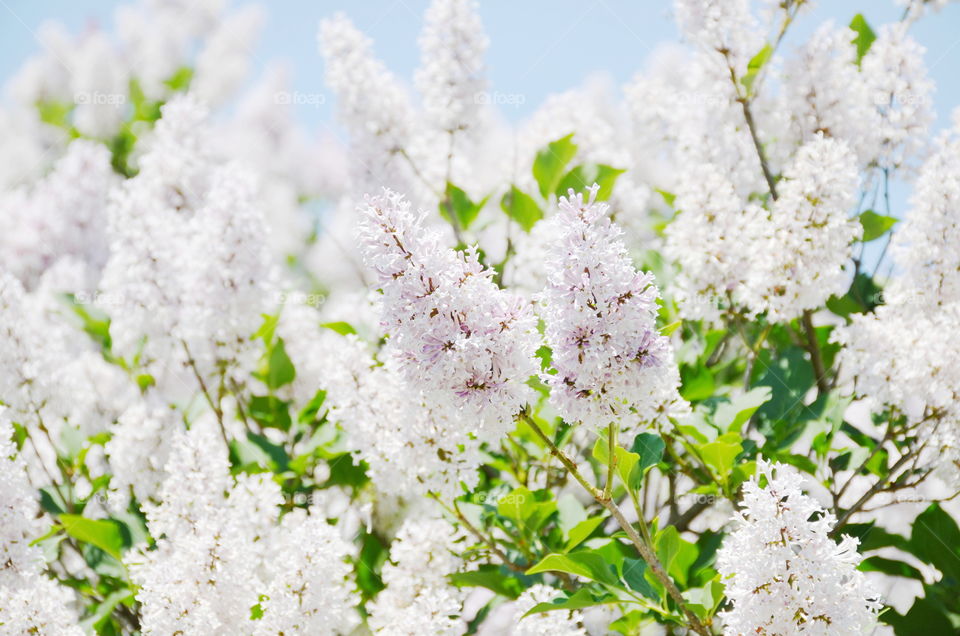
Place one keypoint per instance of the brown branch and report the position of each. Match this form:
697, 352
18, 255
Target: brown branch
816, 358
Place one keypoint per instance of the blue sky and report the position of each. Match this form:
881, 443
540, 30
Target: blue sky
537, 46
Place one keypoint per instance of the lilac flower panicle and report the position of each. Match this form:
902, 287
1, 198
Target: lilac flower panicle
460, 339
611, 363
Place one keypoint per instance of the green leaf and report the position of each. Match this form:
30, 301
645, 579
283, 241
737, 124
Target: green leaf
668, 197
697, 382
492, 577
789, 377
865, 35
585, 175
104, 608
721, 454
757, 62
55, 113
634, 575
649, 448
925, 618
342, 328
521, 506
102, 533
581, 531
268, 328
570, 512
935, 538
311, 412
458, 206
587, 564
180, 80
676, 553
373, 554
626, 461
550, 163
864, 294
891, 567
280, 370
583, 598
875, 225
672, 327
270, 411
521, 207
730, 416
705, 600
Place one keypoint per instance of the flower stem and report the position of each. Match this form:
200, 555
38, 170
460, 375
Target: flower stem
643, 547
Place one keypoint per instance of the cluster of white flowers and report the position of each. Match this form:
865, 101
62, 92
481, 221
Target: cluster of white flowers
783, 573
916, 8
464, 342
47, 376
450, 77
902, 354
723, 26
554, 623
706, 240
189, 267
802, 250
901, 91
30, 603
610, 361
880, 109
371, 105
824, 92
309, 590
411, 446
139, 447
219, 553
419, 598
60, 217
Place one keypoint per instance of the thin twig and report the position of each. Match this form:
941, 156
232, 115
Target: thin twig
645, 551
816, 358
203, 389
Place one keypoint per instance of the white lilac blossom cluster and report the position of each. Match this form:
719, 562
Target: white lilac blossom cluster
105, 90
419, 598
902, 355
30, 602
609, 362
371, 104
186, 447
60, 219
468, 345
557, 623
783, 572
879, 107
220, 552
451, 76
189, 265
804, 245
